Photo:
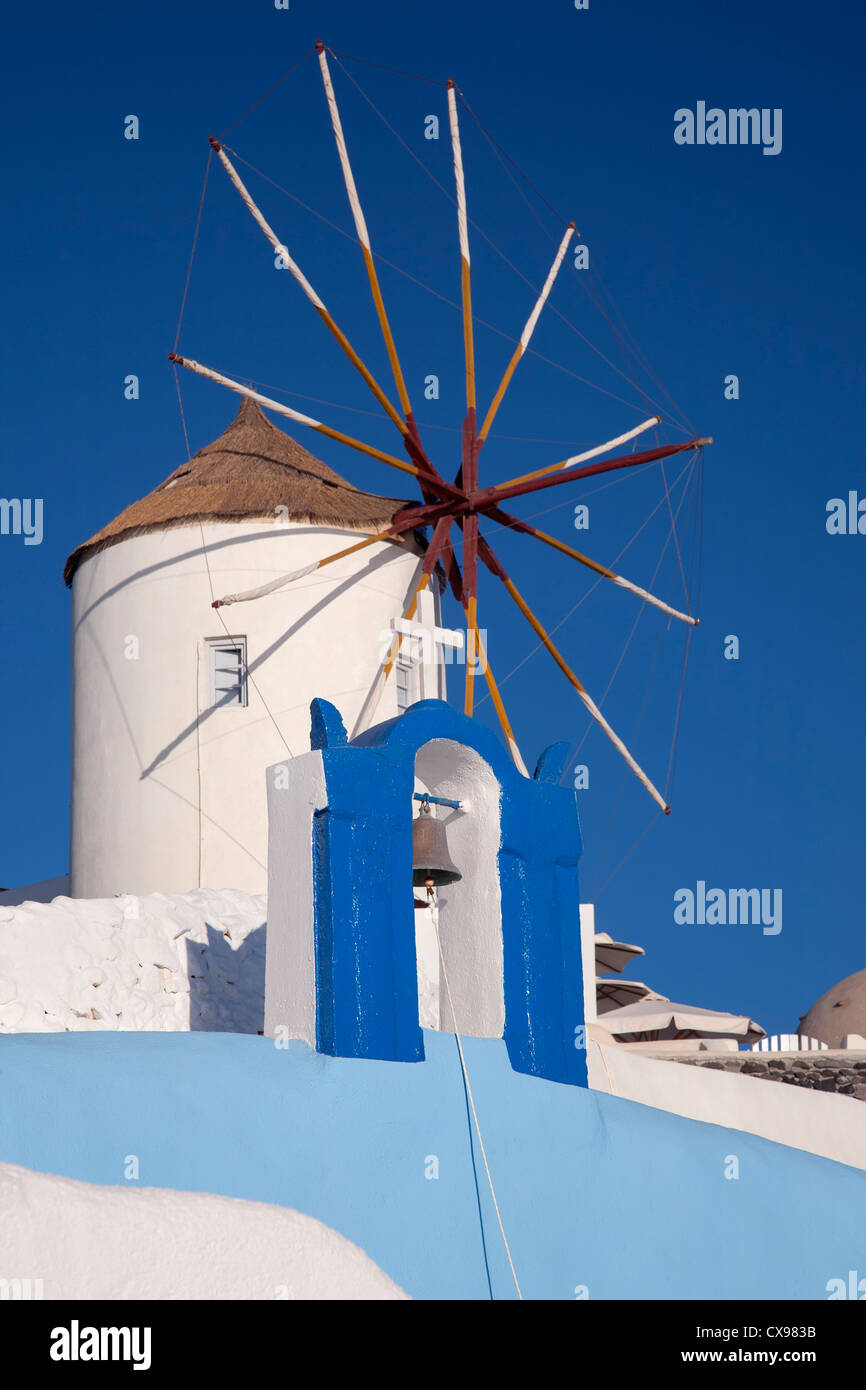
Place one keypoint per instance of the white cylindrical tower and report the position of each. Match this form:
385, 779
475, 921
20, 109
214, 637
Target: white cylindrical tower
177, 714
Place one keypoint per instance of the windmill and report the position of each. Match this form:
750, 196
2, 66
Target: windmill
452, 511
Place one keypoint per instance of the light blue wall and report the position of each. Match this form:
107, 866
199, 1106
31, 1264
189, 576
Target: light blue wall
593, 1190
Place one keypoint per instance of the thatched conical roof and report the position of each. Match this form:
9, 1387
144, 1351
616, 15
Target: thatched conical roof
248, 472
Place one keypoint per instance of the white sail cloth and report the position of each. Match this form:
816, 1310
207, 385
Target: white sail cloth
269, 588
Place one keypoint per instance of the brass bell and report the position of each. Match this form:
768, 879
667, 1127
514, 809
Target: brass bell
431, 863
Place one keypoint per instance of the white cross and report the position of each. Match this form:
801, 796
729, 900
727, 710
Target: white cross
429, 638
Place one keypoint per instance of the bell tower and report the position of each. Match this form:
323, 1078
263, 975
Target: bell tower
342, 961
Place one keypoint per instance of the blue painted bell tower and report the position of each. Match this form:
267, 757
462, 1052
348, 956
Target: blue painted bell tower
342, 969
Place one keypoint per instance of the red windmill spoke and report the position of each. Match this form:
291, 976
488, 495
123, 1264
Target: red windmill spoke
443, 488
435, 514
502, 491
470, 590
484, 662
430, 479
440, 535
427, 514
402, 523
467, 478
592, 453
452, 571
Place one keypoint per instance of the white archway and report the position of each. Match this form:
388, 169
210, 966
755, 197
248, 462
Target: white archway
469, 912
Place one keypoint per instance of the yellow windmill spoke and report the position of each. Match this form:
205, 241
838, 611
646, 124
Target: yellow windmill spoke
589, 454
463, 233
470, 589
281, 249
392, 533
408, 615
361, 229
617, 579
472, 627
527, 333
583, 694
524, 527
496, 698
295, 415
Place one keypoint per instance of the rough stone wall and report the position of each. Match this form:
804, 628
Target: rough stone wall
157, 963
834, 1070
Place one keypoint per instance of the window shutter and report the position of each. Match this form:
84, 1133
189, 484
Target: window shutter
227, 664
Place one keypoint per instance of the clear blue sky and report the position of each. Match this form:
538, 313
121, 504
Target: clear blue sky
721, 260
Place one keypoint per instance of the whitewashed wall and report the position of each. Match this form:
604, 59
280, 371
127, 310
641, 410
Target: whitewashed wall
166, 794
158, 963
830, 1125
469, 912
295, 792
64, 1239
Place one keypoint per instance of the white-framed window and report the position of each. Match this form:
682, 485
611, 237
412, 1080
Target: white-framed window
227, 671
406, 673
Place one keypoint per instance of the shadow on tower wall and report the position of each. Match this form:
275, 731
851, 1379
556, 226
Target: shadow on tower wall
227, 985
